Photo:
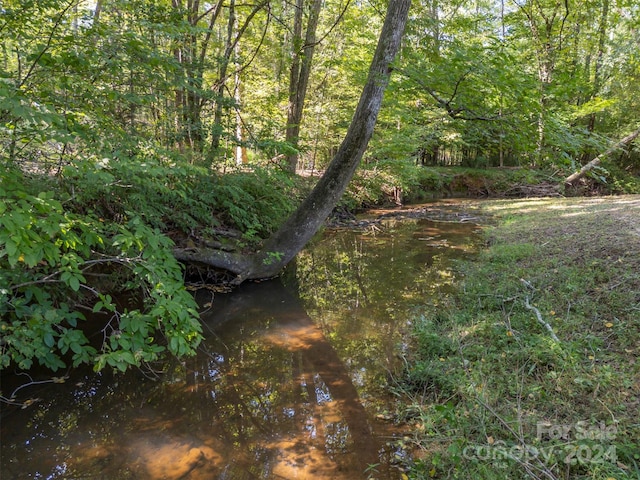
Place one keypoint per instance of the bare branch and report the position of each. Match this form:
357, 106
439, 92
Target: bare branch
328, 32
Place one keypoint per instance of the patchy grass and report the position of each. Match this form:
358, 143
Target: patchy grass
492, 394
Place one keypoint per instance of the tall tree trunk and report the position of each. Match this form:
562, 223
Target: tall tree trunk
96, 12
501, 121
298, 229
546, 67
547, 29
434, 17
192, 117
240, 149
234, 33
222, 76
597, 74
300, 73
190, 52
178, 106
291, 134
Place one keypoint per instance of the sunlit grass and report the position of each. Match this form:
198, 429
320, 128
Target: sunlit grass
488, 378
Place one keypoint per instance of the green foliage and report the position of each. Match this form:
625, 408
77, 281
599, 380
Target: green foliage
480, 88
377, 183
467, 88
62, 236
272, 257
168, 193
618, 180
256, 202
436, 372
52, 264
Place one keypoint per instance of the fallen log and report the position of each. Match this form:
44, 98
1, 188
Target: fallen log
571, 179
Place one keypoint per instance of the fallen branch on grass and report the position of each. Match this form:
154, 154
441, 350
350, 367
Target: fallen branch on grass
540, 319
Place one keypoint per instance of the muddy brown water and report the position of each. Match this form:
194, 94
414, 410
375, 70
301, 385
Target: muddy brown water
291, 381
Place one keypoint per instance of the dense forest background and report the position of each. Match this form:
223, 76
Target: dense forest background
478, 83
127, 126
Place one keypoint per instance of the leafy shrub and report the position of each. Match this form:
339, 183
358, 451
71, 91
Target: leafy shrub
376, 184
51, 265
619, 180
256, 202
168, 193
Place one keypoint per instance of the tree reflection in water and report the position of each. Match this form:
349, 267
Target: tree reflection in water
266, 397
293, 398
272, 393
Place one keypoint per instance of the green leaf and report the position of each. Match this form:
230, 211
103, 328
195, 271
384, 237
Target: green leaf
48, 339
173, 344
74, 283
128, 357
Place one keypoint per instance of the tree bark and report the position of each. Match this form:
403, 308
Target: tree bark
222, 75
300, 73
302, 225
235, 32
597, 74
547, 36
593, 163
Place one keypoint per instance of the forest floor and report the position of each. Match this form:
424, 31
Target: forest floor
531, 370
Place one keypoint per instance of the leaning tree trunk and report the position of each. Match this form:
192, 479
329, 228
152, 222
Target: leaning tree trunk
298, 229
571, 179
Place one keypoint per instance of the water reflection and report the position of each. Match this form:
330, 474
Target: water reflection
289, 383
302, 396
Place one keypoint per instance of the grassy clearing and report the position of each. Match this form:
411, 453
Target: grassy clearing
492, 394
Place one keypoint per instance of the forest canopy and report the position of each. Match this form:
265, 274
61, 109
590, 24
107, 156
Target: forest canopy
481, 83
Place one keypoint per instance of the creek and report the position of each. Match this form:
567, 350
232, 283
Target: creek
292, 379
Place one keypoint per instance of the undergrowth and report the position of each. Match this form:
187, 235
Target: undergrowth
530, 371
403, 182
58, 268
103, 229
170, 194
